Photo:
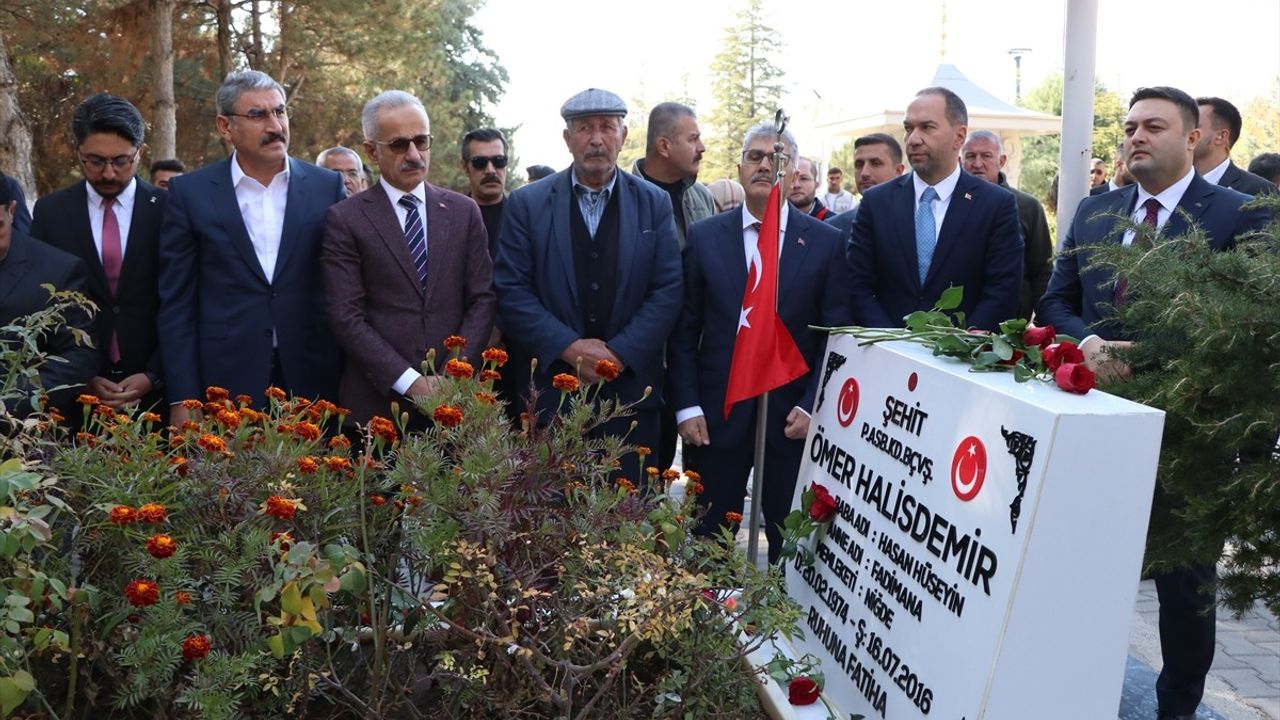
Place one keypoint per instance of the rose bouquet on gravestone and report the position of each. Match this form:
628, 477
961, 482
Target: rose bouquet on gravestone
1029, 352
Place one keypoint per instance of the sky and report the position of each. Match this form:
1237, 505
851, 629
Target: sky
843, 55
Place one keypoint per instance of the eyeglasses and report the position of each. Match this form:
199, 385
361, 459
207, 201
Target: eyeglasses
480, 162
119, 162
1095, 171
400, 146
260, 116
755, 157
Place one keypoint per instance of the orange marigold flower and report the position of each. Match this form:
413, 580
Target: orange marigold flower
308, 465
460, 369
307, 431
607, 369
486, 375
322, 406
341, 411
486, 398
276, 394
123, 515
193, 404
627, 485
339, 442
694, 488
180, 465
212, 444
301, 403
692, 475
250, 415
383, 428
285, 428
87, 399
190, 426
161, 546
216, 394
281, 507
652, 472
564, 382
153, 513
447, 415
337, 463
244, 400
497, 356
670, 474
377, 500
733, 517
150, 417
284, 538
57, 417
455, 342
182, 598
142, 593
196, 647
643, 451
105, 412
228, 419
85, 438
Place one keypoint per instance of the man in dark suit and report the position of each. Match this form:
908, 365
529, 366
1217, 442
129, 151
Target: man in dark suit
1120, 176
25, 265
983, 157
406, 264
111, 221
877, 158
1219, 126
588, 269
1160, 137
241, 305
939, 226
21, 217
812, 290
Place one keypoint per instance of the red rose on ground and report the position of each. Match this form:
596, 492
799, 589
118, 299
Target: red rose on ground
1059, 354
803, 691
824, 506
1074, 377
1039, 336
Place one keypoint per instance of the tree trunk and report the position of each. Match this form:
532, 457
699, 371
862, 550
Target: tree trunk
15, 136
164, 138
224, 38
255, 27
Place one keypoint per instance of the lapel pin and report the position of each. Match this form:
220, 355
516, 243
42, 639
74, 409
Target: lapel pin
967, 196
440, 205
800, 240
153, 199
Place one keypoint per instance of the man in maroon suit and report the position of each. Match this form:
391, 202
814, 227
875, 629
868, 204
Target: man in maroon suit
405, 265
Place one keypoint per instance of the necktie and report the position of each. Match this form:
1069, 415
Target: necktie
926, 232
415, 236
1151, 219
112, 259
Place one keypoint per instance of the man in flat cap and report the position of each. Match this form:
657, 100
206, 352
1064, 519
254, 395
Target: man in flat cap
588, 269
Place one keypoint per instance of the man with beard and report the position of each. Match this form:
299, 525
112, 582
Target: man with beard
935, 228
877, 158
484, 161
111, 221
672, 154
1220, 125
346, 163
588, 270
1119, 177
406, 265
804, 191
241, 305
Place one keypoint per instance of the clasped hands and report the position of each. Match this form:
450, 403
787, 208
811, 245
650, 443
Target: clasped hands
583, 354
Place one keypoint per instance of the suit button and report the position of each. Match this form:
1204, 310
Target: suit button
595, 286
115, 309
591, 317
595, 255
274, 294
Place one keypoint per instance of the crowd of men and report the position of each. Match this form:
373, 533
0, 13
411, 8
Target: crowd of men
265, 270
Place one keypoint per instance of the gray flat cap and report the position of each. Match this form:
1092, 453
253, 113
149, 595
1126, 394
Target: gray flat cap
591, 102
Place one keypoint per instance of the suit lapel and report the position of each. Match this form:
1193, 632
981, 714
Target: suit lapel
439, 222
81, 234
561, 232
386, 224
953, 222
734, 253
1194, 202
793, 252
144, 226
227, 209
628, 227
294, 210
904, 210
13, 268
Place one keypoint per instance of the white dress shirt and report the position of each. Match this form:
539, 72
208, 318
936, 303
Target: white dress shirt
123, 209
1214, 176
1168, 199
945, 188
262, 208
410, 375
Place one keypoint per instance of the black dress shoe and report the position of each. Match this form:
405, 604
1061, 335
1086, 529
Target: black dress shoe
1166, 716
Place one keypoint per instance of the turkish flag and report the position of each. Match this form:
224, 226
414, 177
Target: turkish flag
764, 354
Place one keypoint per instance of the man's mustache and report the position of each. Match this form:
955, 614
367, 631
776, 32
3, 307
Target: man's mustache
272, 137
408, 165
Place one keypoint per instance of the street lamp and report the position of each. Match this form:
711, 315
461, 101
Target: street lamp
1017, 54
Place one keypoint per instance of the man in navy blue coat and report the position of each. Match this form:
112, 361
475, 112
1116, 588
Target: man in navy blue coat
812, 290
939, 226
241, 305
1160, 137
588, 269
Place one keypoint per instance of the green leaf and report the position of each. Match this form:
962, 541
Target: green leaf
986, 360
14, 690
276, 643
298, 633
950, 298
951, 345
1001, 347
291, 599
353, 581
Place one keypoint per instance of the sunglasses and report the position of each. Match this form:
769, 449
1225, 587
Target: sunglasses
479, 162
400, 145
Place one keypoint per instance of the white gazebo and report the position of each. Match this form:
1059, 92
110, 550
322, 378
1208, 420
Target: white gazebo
986, 112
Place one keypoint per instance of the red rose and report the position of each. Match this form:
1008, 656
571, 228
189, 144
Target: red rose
824, 506
1074, 377
1059, 354
1039, 336
803, 691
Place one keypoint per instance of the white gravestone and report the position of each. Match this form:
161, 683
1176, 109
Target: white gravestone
985, 558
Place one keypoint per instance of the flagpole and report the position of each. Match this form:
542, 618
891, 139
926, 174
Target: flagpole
762, 406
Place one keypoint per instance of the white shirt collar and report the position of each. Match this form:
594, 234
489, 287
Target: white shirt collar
237, 174
573, 180
748, 219
1170, 196
1214, 176
394, 193
124, 200
944, 188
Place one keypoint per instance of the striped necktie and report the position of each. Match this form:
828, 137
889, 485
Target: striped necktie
415, 236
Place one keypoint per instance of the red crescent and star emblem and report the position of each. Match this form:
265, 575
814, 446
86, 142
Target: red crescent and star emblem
968, 468
847, 407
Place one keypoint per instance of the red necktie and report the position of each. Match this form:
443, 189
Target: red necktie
112, 259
